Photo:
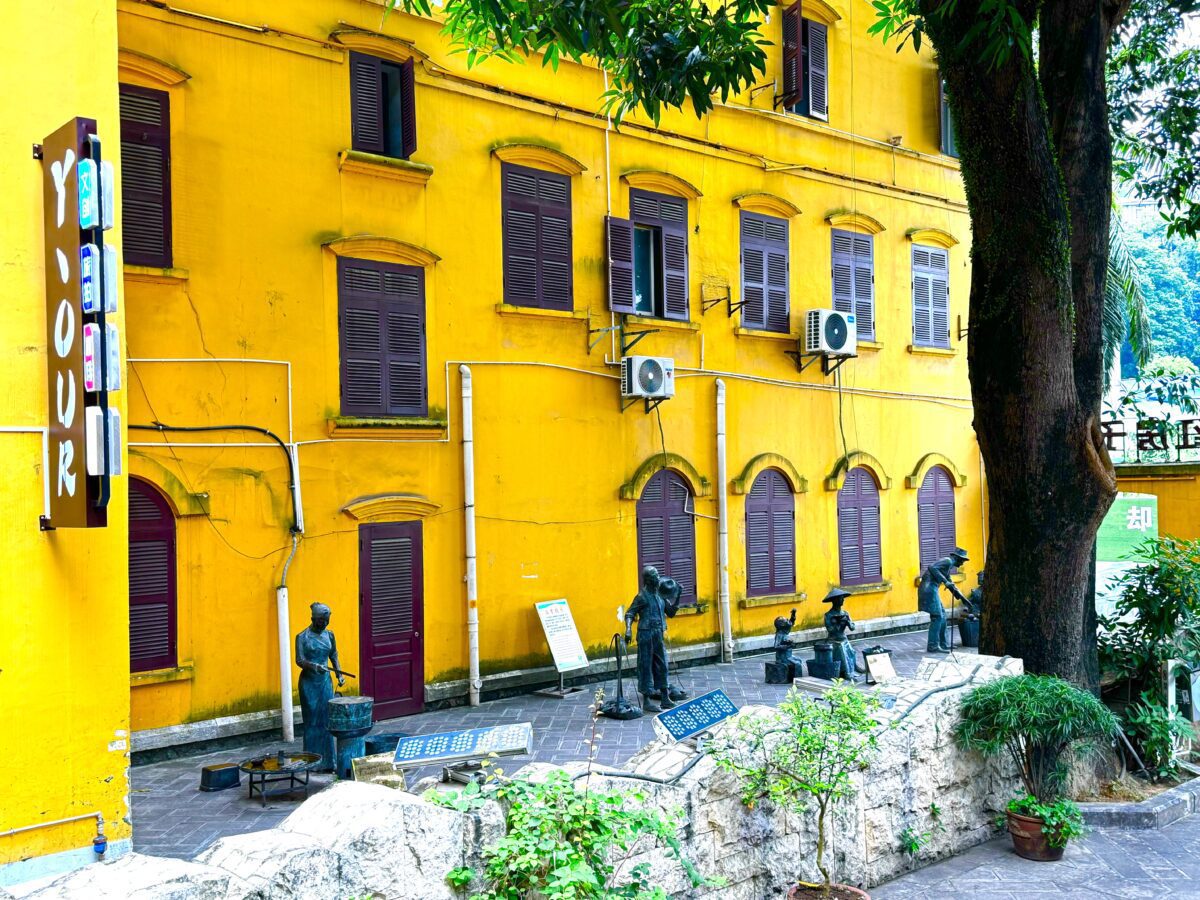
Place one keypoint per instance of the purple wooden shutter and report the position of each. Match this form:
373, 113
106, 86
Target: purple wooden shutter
366, 104
859, 544
843, 271
675, 258
537, 238
817, 42
793, 75
935, 516
152, 596
619, 234
770, 536
754, 272
382, 337
146, 176
667, 531
939, 264
408, 110
922, 294
864, 286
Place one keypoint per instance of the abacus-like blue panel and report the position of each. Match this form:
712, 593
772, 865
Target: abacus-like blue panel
694, 716
456, 746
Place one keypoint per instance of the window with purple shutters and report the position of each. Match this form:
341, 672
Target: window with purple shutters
146, 176
152, 598
381, 332
537, 237
770, 536
666, 531
765, 273
383, 113
805, 65
931, 296
854, 279
648, 257
859, 555
935, 516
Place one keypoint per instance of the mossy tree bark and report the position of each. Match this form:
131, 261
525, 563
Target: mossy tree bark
1036, 163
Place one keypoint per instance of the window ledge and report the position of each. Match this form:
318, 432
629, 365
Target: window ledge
697, 610
871, 346
510, 309
662, 323
918, 350
402, 170
740, 331
155, 275
183, 672
772, 600
413, 428
878, 587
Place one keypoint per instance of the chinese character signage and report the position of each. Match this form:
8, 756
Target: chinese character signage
1132, 520
82, 349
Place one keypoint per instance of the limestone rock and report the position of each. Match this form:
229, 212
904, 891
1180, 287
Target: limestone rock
277, 865
137, 877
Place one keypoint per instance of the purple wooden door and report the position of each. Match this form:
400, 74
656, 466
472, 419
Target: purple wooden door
935, 516
152, 598
391, 595
667, 532
859, 553
770, 536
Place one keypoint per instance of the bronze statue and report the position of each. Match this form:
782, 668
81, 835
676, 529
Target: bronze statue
651, 608
929, 597
837, 623
783, 670
316, 655
974, 601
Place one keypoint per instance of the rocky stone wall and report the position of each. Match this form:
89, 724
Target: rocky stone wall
356, 840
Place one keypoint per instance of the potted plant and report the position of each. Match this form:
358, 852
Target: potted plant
805, 752
1035, 719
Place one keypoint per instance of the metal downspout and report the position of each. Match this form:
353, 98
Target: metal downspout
723, 531
475, 683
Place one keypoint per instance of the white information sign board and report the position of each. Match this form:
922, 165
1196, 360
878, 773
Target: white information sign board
561, 635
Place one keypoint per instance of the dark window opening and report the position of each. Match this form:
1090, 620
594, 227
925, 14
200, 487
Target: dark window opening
805, 65
647, 270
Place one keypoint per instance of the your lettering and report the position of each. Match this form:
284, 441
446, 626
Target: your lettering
59, 171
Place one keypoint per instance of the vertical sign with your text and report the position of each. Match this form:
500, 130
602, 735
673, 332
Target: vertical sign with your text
82, 349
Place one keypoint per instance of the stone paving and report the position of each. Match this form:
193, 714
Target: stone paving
1131, 865
173, 818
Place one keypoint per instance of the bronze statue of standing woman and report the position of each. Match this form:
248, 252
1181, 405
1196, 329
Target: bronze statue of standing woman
316, 655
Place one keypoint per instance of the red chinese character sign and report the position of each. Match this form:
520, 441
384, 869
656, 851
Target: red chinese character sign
82, 349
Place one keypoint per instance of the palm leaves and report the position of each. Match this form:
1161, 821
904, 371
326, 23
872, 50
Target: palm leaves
1124, 313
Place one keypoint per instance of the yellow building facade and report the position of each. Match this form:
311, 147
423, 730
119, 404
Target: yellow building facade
248, 323
64, 691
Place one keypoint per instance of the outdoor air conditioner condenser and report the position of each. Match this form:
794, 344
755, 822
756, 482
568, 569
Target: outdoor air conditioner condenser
651, 377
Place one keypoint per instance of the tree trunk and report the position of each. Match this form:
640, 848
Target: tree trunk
1049, 477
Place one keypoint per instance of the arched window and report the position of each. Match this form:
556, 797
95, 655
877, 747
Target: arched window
667, 531
858, 529
770, 536
152, 599
935, 516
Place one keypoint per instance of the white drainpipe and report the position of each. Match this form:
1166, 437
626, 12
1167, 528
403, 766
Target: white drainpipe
723, 531
468, 439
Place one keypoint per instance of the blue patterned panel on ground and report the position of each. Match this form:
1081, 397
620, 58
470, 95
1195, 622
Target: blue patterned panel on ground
456, 746
694, 716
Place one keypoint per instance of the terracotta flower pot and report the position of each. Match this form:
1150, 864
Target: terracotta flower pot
839, 891
1030, 841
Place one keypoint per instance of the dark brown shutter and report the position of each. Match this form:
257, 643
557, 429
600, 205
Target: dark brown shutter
366, 104
537, 238
619, 234
818, 65
667, 531
770, 536
381, 331
669, 215
859, 544
146, 176
152, 597
408, 110
935, 516
793, 74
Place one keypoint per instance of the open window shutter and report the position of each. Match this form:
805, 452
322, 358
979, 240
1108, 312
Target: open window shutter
939, 304
864, 286
366, 104
793, 78
818, 78
921, 297
843, 272
620, 264
554, 241
408, 110
145, 176
754, 272
675, 257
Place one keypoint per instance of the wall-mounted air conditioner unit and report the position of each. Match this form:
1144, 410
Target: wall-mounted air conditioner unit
649, 377
831, 333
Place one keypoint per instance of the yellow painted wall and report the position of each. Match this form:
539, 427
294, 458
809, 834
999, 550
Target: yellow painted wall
257, 129
1177, 486
64, 644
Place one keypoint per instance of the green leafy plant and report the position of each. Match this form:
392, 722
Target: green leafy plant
1157, 731
1061, 819
911, 840
1034, 719
805, 751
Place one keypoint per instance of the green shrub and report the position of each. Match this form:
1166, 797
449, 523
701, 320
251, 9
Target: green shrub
1061, 818
1156, 730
